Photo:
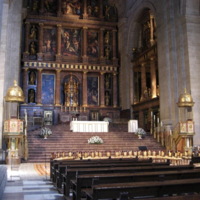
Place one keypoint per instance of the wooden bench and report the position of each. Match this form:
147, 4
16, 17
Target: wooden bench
143, 189
71, 173
62, 168
86, 181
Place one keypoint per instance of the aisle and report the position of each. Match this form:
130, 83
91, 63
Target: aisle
26, 183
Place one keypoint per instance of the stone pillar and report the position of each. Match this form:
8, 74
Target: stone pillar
59, 12
40, 39
57, 92
26, 53
84, 46
85, 89
115, 90
85, 15
114, 47
102, 59
25, 82
58, 55
143, 80
153, 77
102, 93
39, 87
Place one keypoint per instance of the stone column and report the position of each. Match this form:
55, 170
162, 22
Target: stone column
39, 87
115, 90
59, 12
26, 53
40, 41
114, 47
84, 45
102, 93
153, 77
101, 47
85, 15
143, 80
57, 97
58, 55
85, 89
25, 82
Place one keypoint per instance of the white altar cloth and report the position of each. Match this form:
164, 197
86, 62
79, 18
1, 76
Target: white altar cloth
89, 126
132, 125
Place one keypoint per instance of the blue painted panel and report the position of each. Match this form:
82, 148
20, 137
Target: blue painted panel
48, 88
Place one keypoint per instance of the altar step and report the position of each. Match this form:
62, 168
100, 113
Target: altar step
62, 140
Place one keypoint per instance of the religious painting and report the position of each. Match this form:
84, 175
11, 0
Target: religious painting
49, 41
93, 44
71, 42
93, 8
50, 6
93, 90
48, 81
72, 7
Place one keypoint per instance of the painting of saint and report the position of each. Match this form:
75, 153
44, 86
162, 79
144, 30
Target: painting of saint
71, 42
93, 44
93, 90
72, 7
48, 88
50, 6
49, 41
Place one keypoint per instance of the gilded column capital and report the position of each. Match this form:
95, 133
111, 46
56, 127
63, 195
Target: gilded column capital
85, 72
85, 27
27, 23
41, 24
58, 70
39, 69
59, 25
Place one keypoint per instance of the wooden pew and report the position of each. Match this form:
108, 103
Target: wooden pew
83, 181
143, 189
71, 173
62, 168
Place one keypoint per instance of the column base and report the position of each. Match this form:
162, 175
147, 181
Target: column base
26, 56
85, 59
40, 56
58, 57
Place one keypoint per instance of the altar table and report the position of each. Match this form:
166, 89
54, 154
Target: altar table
89, 126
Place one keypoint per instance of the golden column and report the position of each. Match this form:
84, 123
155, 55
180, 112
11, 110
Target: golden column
143, 80
40, 39
84, 46
114, 47
153, 77
26, 53
115, 89
25, 80
102, 59
152, 29
59, 12
57, 99
85, 89
39, 87
85, 15
58, 55
102, 93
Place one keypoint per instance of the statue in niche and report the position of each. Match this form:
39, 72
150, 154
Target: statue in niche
107, 99
35, 6
107, 53
107, 38
96, 11
89, 10
107, 81
32, 78
31, 96
33, 33
32, 48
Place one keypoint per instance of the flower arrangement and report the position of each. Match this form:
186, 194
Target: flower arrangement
95, 140
45, 132
140, 131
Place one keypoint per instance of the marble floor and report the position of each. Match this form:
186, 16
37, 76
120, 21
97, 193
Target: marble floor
24, 183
